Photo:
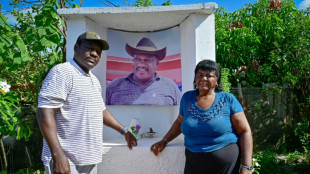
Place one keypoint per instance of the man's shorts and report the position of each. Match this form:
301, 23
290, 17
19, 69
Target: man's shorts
87, 169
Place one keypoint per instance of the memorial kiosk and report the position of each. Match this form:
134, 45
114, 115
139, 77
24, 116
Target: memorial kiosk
197, 42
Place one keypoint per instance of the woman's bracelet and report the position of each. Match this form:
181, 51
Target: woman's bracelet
165, 140
122, 132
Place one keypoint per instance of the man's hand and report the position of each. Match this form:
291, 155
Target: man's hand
130, 139
61, 165
46, 120
109, 120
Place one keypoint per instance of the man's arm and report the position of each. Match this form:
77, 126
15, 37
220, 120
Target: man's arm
46, 120
109, 120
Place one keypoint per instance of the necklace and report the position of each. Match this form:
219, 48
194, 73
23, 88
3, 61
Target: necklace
206, 95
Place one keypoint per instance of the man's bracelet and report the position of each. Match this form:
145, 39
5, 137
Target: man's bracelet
122, 132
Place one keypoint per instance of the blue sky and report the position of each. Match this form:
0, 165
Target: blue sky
230, 5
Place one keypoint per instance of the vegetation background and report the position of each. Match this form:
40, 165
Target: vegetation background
260, 44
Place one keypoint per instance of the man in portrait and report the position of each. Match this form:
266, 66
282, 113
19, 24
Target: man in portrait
143, 86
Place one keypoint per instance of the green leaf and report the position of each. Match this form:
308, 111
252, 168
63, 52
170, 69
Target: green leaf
4, 23
17, 58
20, 44
46, 42
19, 133
41, 31
75, 5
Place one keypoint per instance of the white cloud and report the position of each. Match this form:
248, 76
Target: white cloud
11, 19
304, 4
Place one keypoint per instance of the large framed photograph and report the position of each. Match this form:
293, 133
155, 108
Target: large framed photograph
144, 68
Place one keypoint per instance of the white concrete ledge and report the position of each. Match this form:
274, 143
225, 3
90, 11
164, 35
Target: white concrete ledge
202, 7
197, 42
118, 159
152, 18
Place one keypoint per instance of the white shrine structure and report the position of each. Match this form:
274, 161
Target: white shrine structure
197, 42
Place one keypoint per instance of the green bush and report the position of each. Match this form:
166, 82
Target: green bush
267, 162
225, 80
303, 132
261, 43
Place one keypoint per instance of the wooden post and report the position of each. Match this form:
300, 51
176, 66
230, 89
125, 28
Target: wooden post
241, 99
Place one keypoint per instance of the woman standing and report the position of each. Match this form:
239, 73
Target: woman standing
214, 126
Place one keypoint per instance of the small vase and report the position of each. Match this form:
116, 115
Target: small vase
134, 127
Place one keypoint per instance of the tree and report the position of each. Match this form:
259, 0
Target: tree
267, 42
28, 50
146, 3
143, 3
167, 3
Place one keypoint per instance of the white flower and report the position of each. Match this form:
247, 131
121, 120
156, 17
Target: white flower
255, 162
4, 86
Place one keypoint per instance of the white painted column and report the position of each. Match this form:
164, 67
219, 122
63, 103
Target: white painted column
197, 43
100, 69
75, 27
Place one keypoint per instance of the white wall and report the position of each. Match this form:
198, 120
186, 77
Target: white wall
160, 118
100, 69
75, 27
197, 43
197, 36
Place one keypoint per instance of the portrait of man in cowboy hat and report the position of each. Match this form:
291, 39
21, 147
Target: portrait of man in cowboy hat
143, 86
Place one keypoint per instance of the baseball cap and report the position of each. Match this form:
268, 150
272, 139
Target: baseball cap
94, 36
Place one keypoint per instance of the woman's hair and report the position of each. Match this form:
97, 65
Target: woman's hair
210, 65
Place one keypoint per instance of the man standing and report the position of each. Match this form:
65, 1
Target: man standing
71, 112
144, 86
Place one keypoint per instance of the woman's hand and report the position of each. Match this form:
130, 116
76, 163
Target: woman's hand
244, 171
173, 132
158, 147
